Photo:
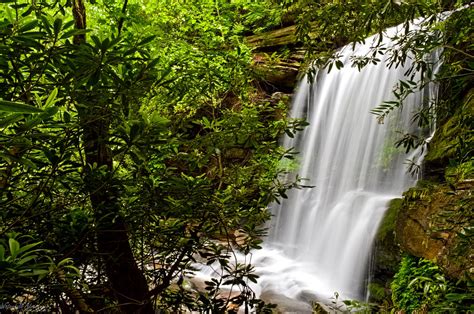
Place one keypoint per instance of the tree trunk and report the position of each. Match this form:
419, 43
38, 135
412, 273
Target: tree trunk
126, 280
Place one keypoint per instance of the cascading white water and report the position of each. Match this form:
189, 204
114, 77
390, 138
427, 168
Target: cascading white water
320, 239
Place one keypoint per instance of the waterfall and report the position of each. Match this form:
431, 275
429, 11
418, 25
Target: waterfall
321, 238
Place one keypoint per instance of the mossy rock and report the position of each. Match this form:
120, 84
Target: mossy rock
436, 216
387, 254
444, 141
387, 226
432, 222
453, 140
377, 292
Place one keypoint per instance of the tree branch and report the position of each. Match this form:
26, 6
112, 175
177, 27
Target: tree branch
79, 12
122, 17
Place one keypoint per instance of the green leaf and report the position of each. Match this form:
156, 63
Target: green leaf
2, 253
51, 98
157, 119
134, 131
28, 163
33, 35
73, 269
46, 25
27, 41
21, 160
14, 247
26, 260
69, 24
74, 32
96, 41
146, 40
457, 297
57, 26
29, 26
11, 106
64, 262
40, 272
28, 12
27, 247
46, 114
66, 116
10, 119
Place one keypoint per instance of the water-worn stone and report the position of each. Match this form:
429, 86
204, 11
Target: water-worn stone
285, 304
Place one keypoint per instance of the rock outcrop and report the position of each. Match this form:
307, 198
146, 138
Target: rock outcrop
387, 253
433, 223
277, 59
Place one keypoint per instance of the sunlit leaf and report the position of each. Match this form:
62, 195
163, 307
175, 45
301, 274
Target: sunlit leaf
10, 106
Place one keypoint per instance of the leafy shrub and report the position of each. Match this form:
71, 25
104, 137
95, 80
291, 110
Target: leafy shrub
418, 283
27, 270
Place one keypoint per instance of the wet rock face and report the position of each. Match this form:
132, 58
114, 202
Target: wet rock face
387, 254
432, 223
414, 224
449, 139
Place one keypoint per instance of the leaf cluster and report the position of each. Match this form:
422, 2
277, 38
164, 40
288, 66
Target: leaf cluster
419, 284
194, 157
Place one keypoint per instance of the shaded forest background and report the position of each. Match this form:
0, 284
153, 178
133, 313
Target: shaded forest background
139, 137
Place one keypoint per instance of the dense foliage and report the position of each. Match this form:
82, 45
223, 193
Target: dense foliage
420, 285
135, 144
132, 140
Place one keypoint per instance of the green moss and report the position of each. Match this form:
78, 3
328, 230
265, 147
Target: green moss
455, 135
387, 252
390, 219
443, 144
424, 184
458, 173
377, 292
